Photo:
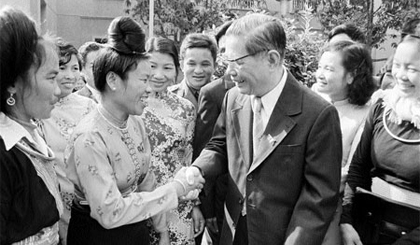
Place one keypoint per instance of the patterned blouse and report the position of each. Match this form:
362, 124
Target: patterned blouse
56, 131
109, 167
170, 122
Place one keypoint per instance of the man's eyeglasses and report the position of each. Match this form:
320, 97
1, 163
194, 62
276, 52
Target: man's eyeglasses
403, 34
226, 61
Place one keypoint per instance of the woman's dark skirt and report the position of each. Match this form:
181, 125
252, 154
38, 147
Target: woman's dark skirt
83, 229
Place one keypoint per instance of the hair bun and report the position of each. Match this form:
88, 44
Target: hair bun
126, 36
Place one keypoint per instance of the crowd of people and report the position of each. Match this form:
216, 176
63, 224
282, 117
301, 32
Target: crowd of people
100, 144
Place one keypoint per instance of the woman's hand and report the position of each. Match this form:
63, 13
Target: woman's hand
192, 195
198, 221
350, 235
164, 238
190, 179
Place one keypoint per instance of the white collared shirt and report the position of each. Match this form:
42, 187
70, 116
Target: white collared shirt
12, 132
270, 99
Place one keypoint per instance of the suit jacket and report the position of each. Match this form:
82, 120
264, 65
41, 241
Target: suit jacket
209, 107
184, 91
291, 185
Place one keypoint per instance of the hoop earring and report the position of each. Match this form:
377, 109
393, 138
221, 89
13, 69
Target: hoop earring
11, 101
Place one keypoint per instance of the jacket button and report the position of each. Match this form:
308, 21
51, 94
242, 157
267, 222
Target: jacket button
241, 200
250, 177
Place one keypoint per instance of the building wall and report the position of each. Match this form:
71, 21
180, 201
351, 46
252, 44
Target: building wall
84, 20
44, 12
76, 21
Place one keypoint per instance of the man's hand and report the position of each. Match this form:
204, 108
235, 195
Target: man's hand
192, 173
350, 235
211, 224
189, 180
198, 221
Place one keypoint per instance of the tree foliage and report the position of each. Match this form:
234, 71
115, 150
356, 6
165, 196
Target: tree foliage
175, 19
375, 21
303, 45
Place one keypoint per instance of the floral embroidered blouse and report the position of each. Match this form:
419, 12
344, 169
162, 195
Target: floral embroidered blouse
109, 167
170, 122
56, 131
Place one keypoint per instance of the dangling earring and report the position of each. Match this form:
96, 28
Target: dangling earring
11, 101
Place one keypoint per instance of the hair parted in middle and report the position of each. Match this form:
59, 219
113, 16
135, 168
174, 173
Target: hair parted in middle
122, 53
164, 46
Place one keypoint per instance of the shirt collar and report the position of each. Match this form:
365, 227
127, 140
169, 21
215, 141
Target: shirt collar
270, 99
12, 132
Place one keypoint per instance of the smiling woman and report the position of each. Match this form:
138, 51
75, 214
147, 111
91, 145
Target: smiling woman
108, 156
57, 129
170, 121
344, 77
387, 159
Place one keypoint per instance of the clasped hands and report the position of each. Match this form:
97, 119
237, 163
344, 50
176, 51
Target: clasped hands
191, 180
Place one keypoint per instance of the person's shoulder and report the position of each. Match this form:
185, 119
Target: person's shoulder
181, 101
213, 85
174, 88
309, 96
80, 98
88, 123
83, 92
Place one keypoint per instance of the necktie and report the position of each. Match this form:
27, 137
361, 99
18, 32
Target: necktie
258, 124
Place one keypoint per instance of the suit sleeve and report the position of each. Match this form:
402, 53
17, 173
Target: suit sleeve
318, 200
207, 114
213, 159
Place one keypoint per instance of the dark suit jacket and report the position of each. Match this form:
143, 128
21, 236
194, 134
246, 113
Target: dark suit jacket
209, 106
181, 89
292, 184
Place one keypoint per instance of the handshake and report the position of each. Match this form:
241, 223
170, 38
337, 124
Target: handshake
191, 181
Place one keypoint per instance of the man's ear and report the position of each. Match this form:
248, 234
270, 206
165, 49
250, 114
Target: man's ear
181, 65
274, 58
112, 80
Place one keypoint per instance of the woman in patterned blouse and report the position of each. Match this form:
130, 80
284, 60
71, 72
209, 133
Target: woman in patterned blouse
170, 121
57, 129
109, 153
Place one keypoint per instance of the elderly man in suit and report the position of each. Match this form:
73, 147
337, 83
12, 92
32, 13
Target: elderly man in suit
279, 142
198, 61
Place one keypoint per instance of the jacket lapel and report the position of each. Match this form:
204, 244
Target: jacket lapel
280, 123
242, 124
186, 93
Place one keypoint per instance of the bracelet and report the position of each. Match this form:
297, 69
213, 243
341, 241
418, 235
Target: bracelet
199, 169
182, 184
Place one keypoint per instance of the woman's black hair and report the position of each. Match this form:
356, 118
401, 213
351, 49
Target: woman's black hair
164, 46
66, 50
125, 47
356, 59
18, 47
